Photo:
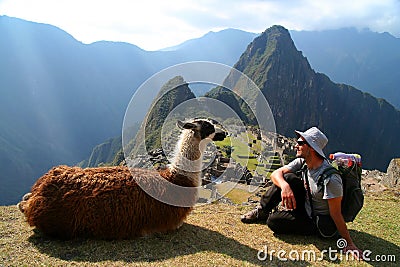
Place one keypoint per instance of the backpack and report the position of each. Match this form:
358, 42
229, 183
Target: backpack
350, 172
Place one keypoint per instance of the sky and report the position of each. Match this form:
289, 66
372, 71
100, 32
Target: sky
156, 24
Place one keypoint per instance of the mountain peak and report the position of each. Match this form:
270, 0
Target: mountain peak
267, 41
277, 31
271, 55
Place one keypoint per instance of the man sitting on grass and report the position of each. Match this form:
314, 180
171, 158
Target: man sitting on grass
322, 215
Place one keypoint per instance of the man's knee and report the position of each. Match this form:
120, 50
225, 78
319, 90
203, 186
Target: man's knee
292, 178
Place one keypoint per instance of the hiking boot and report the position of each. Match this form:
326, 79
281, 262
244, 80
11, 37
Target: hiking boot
256, 215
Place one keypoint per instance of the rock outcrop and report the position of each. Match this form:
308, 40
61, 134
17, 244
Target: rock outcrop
392, 178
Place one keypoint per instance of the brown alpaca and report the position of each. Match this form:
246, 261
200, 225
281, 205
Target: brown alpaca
108, 203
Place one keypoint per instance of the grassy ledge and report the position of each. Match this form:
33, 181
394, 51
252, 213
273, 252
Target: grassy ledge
212, 236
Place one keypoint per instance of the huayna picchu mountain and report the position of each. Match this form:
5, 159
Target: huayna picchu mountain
301, 98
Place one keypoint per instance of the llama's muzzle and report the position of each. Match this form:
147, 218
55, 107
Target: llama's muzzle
219, 135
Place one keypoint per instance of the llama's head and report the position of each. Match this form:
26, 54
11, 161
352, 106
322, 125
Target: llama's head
204, 129
196, 134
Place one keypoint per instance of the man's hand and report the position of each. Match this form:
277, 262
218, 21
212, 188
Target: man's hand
355, 251
288, 199
277, 177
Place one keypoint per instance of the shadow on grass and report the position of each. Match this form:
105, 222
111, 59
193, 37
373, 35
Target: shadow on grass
188, 240
382, 252
380, 248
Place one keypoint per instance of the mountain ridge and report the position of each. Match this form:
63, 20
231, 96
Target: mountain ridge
361, 58
62, 97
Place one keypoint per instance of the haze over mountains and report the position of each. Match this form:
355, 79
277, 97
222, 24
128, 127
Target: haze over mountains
60, 98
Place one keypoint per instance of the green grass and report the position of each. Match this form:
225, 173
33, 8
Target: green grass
212, 236
238, 196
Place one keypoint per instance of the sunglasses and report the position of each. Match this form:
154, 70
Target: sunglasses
301, 142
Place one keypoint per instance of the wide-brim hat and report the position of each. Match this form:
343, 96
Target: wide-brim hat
315, 138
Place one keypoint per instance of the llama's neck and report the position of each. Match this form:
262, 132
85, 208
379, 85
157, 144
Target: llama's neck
188, 155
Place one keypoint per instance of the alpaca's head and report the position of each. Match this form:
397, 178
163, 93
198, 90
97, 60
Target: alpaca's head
196, 134
203, 129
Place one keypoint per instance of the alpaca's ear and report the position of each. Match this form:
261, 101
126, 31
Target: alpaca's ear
185, 125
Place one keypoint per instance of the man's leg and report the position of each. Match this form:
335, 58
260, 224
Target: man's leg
268, 201
291, 222
271, 198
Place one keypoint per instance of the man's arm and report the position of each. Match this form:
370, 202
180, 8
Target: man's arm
335, 210
288, 199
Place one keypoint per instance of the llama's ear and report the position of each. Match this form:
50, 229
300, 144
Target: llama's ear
185, 125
